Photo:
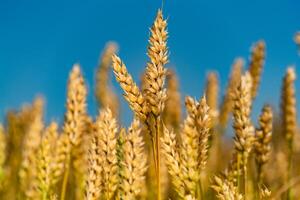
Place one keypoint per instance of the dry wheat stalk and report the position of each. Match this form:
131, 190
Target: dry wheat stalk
106, 130
256, 65
104, 91
211, 93
234, 79
131, 92
45, 164
263, 136
133, 164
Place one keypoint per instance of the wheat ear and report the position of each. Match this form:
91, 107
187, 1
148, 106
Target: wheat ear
28, 168
132, 93
45, 164
172, 112
225, 189
244, 130
211, 93
74, 118
227, 102
170, 148
134, 163
289, 116
106, 130
104, 92
256, 65
262, 145
93, 183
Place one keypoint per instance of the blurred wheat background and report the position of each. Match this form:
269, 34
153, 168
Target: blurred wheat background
203, 105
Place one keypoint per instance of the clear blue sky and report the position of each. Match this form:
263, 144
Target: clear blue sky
40, 40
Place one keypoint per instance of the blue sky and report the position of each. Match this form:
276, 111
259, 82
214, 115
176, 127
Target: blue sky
40, 40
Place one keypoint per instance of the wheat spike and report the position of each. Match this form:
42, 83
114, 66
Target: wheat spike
104, 92
155, 71
131, 92
134, 163
45, 164
106, 130
211, 93
256, 65
225, 189
28, 168
288, 104
76, 106
61, 152
244, 131
227, 103
190, 147
93, 183
263, 136
172, 111
173, 161
289, 117
203, 125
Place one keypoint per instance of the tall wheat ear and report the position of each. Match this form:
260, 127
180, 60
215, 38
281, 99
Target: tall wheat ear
104, 93
244, 130
106, 130
262, 145
93, 182
171, 150
225, 189
132, 93
289, 117
256, 65
45, 163
28, 169
74, 122
227, 102
134, 164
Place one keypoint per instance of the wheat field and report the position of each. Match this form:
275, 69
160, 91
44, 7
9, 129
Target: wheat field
167, 152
